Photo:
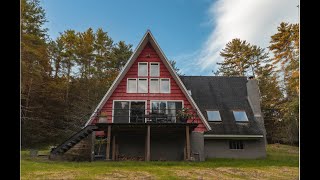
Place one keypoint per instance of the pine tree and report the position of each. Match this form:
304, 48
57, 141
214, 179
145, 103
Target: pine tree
285, 46
240, 58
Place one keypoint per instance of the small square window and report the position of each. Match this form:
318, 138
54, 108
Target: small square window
236, 144
240, 116
213, 116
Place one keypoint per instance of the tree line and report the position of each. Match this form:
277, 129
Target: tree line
62, 80
277, 75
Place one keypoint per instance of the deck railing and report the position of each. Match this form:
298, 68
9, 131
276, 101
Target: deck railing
137, 115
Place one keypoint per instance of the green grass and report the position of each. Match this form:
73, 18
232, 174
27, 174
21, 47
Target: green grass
282, 162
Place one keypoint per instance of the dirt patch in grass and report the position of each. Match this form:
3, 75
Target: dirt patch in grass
238, 173
125, 175
63, 175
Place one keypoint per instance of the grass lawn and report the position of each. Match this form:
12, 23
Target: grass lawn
282, 162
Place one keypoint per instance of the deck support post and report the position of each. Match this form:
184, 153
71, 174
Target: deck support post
188, 142
147, 158
108, 143
114, 148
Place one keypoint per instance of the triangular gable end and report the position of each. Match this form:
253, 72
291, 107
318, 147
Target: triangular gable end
148, 37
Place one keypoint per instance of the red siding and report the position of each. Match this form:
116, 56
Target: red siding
176, 93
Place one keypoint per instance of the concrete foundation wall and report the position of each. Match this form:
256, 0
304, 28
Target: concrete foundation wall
197, 146
219, 148
162, 147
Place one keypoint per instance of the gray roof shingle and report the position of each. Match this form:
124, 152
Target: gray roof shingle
224, 94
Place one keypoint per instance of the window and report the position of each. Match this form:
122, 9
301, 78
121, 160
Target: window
169, 108
132, 86
236, 144
143, 69
240, 116
121, 112
165, 86
154, 69
154, 85
213, 116
142, 86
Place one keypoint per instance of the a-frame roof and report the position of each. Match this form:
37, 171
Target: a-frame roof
148, 37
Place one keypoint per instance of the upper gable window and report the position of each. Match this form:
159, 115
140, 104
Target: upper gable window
154, 85
240, 116
132, 86
143, 69
165, 85
154, 69
143, 85
213, 116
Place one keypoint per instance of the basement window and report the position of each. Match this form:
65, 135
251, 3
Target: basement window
143, 69
236, 144
240, 116
154, 69
213, 116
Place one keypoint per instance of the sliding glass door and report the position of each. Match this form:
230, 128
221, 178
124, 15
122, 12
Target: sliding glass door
129, 111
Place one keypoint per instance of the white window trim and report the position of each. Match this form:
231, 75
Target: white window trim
138, 85
128, 85
145, 111
139, 68
158, 84
151, 101
240, 111
213, 120
169, 86
158, 68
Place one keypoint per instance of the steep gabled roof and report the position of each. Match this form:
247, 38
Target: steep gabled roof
148, 37
224, 94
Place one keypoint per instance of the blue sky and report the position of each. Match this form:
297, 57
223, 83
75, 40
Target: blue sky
191, 32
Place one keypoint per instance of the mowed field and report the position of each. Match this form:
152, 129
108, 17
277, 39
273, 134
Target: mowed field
282, 162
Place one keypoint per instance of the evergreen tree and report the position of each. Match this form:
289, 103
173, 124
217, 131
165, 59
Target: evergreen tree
285, 46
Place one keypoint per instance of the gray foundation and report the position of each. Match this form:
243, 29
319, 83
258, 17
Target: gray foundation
197, 146
219, 148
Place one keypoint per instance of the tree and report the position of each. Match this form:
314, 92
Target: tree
35, 72
174, 66
285, 47
240, 58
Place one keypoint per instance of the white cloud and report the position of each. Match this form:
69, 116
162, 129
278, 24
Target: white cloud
251, 20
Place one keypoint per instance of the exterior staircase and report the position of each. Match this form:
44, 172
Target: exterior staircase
73, 140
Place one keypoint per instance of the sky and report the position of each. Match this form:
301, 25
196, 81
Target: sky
191, 32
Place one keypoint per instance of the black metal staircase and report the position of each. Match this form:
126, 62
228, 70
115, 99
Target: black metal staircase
73, 140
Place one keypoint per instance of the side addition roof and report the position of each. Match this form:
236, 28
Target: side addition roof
148, 37
224, 94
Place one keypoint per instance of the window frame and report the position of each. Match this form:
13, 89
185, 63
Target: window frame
236, 145
208, 110
113, 104
139, 69
161, 85
146, 79
158, 68
233, 111
166, 101
150, 85
128, 85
